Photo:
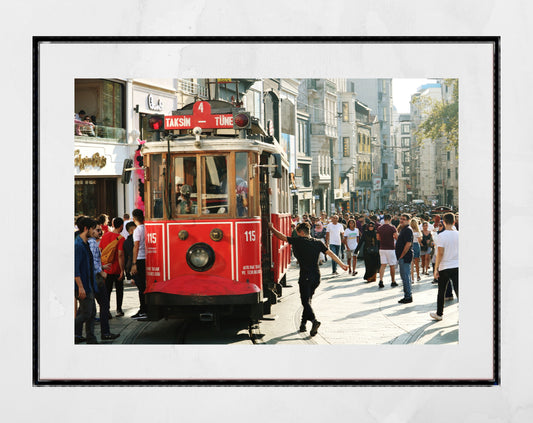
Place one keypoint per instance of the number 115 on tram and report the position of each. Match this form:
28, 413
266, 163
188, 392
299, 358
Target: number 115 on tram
212, 184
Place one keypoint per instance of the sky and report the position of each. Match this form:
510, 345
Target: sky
402, 89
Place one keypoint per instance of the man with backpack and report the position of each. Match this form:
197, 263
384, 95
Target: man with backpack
112, 252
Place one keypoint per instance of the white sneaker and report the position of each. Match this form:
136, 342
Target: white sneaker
435, 316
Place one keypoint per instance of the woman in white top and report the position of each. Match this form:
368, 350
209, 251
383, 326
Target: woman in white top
351, 239
417, 238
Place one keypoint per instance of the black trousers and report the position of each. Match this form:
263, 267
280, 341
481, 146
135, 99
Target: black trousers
140, 282
86, 313
308, 285
447, 276
119, 285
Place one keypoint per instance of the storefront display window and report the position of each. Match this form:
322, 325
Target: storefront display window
94, 196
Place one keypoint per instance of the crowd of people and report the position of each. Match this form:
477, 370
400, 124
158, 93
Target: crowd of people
381, 238
104, 257
109, 252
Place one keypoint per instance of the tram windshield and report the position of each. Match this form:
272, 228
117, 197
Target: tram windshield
185, 193
201, 185
215, 192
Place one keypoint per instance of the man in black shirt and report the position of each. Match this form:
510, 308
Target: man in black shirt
404, 254
307, 251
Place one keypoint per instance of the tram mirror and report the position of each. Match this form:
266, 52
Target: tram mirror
126, 171
277, 169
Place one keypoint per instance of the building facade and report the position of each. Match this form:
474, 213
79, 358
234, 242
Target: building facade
120, 109
321, 97
435, 172
377, 94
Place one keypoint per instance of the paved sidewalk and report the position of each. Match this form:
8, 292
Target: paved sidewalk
351, 311
358, 313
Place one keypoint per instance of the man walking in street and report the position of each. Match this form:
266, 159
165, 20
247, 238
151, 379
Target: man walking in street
306, 251
115, 273
138, 264
84, 284
101, 295
447, 262
334, 237
386, 234
404, 254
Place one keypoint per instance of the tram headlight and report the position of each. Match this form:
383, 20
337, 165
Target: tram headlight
200, 257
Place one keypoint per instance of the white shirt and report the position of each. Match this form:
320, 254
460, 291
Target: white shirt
416, 235
449, 240
351, 238
138, 235
335, 231
124, 232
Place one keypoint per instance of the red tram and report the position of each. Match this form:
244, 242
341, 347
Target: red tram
212, 183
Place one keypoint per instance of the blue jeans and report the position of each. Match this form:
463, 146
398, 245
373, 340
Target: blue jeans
335, 249
405, 274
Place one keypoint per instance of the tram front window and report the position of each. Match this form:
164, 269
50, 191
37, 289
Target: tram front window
157, 183
215, 192
185, 193
241, 183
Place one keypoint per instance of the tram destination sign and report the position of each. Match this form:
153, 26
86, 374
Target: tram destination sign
201, 117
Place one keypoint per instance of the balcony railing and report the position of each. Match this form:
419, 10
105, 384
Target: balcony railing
88, 131
193, 88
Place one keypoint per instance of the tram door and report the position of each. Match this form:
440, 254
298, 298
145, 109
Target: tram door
266, 247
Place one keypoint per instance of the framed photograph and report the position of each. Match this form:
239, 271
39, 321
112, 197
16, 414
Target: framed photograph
120, 80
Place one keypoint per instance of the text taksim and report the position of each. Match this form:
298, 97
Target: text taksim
178, 122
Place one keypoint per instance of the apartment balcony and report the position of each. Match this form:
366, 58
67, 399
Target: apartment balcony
192, 88
89, 132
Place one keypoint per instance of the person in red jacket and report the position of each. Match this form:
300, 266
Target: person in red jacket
115, 273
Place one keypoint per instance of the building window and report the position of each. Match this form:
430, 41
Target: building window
406, 141
385, 171
345, 112
449, 173
405, 128
448, 155
346, 146
93, 196
306, 179
102, 100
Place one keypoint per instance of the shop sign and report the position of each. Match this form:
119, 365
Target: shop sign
82, 162
201, 117
153, 105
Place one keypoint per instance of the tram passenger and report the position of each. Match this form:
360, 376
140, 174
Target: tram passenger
185, 205
306, 251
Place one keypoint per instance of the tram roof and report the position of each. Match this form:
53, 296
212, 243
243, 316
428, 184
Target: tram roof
188, 144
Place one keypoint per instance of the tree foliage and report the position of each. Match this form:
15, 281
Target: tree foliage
441, 117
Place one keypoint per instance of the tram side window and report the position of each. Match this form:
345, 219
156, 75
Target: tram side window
215, 192
241, 183
156, 185
185, 194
